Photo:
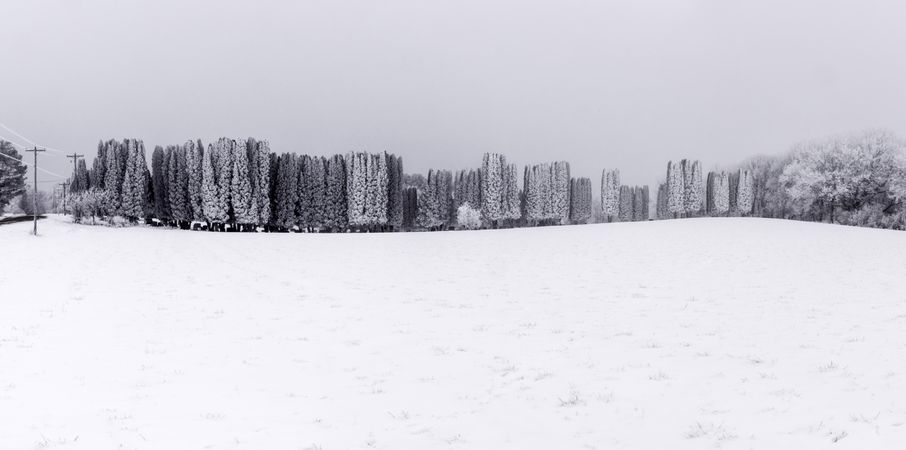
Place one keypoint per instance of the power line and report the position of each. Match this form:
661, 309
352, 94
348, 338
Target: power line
42, 170
29, 140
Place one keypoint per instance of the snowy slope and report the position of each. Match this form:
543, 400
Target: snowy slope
700, 333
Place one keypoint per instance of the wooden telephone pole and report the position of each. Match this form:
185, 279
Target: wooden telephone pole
64, 197
34, 198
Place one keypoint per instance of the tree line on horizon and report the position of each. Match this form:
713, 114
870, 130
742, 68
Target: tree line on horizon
240, 185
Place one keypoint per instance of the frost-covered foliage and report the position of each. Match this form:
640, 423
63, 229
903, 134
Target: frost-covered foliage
676, 191
133, 189
547, 192
846, 173
610, 194
435, 202
195, 173
368, 182
468, 188
745, 196
410, 206
12, 174
286, 195
626, 204
394, 190
694, 189
214, 210
468, 218
661, 205
640, 203
580, 200
493, 187
718, 193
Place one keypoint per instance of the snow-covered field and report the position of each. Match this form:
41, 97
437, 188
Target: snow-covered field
700, 333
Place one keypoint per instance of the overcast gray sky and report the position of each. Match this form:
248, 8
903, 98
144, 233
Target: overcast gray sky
626, 84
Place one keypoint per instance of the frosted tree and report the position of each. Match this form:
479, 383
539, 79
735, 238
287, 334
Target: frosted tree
580, 200
467, 217
626, 212
178, 185
12, 174
661, 205
79, 178
560, 191
694, 189
492, 187
224, 175
356, 188
640, 203
721, 195
113, 178
513, 209
195, 175
394, 190
610, 194
286, 191
410, 206
160, 183
429, 204
133, 190
263, 178
245, 210
675, 189
745, 193
336, 217
305, 198
213, 208
99, 169
532, 195
733, 185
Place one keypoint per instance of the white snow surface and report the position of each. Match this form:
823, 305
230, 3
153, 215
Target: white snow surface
697, 333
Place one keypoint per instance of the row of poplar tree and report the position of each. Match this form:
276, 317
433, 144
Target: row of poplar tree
242, 185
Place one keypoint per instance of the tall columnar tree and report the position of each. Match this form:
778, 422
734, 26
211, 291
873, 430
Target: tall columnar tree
745, 193
79, 178
99, 166
224, 175
113, 176
178, 185
513, 210
626, 212
721, 194
212, 205
262, 190
694, 189
560, 191
429, 203
245, 207
133, 190
580, 200
357, 188
286, 191
410, 206
492, 187
395, 190
640, 203
733, 185
675, 189
195, 178
661, 206
531, 195
336, 215
610, 194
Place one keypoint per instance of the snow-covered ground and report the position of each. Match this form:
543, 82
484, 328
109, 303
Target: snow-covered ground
700, 333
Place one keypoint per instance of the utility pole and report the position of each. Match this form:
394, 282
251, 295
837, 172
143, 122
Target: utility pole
75, 157
64, 197
34, 198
